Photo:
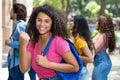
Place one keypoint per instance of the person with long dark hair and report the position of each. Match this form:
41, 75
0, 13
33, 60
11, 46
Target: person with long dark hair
104, 43
45, 22
82, 42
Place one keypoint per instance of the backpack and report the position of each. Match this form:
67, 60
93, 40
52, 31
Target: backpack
68, 76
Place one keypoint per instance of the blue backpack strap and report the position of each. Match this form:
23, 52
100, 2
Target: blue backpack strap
47, 46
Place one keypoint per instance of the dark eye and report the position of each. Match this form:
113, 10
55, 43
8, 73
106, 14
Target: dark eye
47, 21
38, 20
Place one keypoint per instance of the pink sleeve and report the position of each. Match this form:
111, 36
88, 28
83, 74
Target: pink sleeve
30, 47
62, 46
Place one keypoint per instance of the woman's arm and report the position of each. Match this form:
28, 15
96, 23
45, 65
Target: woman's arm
14, 44
87, 55
71, 64
14, 40
25, 57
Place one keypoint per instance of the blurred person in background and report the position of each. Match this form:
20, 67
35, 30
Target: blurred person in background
18, 14
103, 41
81, 40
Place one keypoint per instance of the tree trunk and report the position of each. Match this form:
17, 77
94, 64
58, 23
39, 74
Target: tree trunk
63, 4
103, 6
83, 7
117, 9
68, 6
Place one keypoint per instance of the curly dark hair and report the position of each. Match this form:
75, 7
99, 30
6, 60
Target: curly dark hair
105, 25
81, 27
20, 10
59, 20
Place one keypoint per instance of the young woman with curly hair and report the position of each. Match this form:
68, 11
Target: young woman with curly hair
44, 22
105, 40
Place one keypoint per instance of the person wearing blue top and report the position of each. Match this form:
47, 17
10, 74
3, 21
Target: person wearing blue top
18, 14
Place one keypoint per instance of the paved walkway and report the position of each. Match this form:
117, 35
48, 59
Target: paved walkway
4, 70
114, 74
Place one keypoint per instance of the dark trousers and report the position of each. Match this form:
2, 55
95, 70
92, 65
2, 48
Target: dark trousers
15, 74
32, 74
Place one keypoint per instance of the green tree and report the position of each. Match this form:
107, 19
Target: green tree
92, 9
111, 5
114, 6
60, 4
55, 3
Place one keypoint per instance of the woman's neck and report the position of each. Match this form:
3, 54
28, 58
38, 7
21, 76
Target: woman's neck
44, 38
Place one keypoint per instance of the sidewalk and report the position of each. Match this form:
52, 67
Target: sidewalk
4, 70
114, 74
4, 74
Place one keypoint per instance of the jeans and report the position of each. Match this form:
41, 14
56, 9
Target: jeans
32, 74
84, 75
15, 74
102, 66
52, 78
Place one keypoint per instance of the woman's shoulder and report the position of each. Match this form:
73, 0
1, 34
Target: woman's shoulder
60, 41
80, 39
61, 45
59, 38
21, 24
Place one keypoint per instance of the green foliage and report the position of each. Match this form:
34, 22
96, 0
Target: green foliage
89, 8
77, 6
55, 3
113, 1
36, 2
113, 8
108, 13
92, 9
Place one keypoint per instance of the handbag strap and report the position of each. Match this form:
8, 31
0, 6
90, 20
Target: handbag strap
48, 45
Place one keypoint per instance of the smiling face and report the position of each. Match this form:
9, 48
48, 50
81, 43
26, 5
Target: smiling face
43, 23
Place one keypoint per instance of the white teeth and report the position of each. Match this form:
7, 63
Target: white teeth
41, 28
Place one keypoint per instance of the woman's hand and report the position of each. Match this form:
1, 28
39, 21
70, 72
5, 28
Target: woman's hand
24, 38
42, 61
25, 57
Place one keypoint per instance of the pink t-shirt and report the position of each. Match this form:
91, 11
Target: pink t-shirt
57, 47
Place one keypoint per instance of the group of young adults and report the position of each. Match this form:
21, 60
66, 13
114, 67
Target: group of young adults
31, 39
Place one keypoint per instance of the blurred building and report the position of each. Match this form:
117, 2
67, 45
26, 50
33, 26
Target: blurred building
6, 24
